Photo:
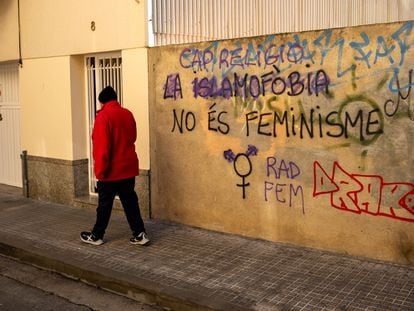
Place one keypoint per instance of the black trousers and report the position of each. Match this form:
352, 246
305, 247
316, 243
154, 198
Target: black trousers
107, 191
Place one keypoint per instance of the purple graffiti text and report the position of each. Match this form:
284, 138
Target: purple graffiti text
281, 169
172, 87
199, 59
284, 193
253, 86
277, 168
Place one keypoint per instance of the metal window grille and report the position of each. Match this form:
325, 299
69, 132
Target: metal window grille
101, 71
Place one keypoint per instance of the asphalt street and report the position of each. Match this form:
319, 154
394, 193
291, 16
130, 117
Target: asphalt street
24, 287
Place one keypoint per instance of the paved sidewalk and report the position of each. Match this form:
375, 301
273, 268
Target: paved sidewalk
186, 268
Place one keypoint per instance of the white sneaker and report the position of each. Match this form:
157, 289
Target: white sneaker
90, 238
140, 239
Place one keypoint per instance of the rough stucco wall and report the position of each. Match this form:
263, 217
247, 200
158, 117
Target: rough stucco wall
303, 138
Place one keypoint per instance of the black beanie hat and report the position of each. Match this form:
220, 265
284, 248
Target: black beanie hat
106, 95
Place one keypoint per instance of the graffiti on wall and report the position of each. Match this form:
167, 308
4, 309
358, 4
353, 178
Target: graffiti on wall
341, 90
281, 183
369, 194
242, 165
280, 174
328, 47
225, 76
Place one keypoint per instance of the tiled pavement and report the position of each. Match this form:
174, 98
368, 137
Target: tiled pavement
186, 268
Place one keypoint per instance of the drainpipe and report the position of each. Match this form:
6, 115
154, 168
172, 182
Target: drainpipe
25, 179
20, 37
149, 195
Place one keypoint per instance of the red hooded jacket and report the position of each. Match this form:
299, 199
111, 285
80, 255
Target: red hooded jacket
114, 134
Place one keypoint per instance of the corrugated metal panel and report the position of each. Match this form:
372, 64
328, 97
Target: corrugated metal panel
181, 21
10, 165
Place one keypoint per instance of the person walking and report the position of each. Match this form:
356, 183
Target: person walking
115, 166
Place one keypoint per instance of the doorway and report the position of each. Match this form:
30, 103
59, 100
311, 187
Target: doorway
101, 70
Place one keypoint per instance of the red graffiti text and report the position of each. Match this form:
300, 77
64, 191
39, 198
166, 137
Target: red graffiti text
364, 193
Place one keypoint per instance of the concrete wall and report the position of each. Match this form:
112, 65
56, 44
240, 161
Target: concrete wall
304, 138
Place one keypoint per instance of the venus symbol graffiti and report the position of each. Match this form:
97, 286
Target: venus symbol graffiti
242, 165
